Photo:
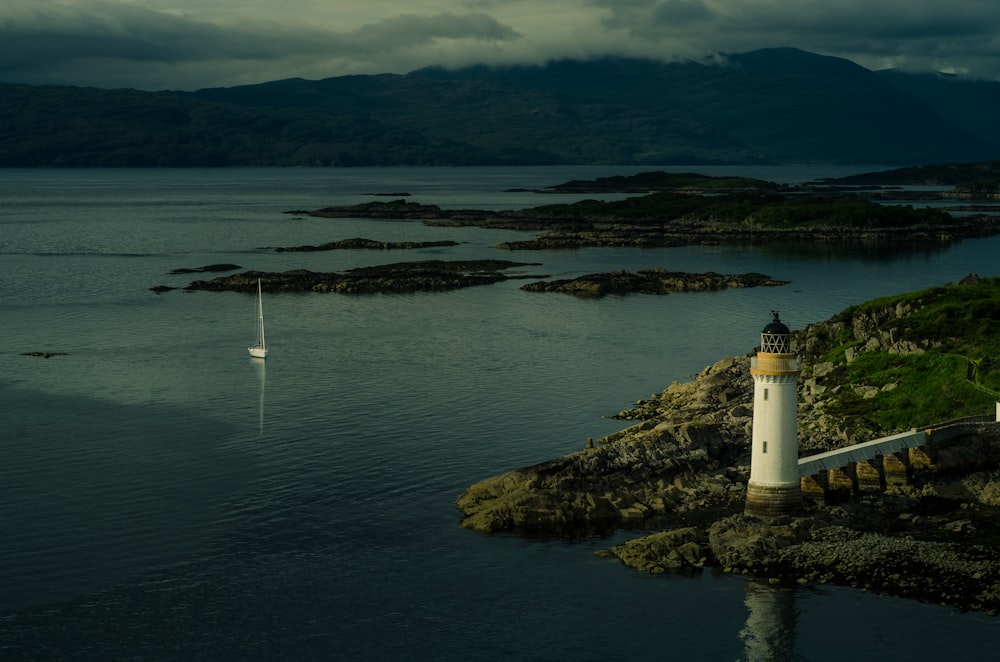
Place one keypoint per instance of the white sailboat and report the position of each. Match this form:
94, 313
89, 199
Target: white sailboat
259, 349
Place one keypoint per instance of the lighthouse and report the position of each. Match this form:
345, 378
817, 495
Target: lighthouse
774, 487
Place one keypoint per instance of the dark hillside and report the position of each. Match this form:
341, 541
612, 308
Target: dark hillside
69, 126
971, 105
784, 104
770, 106
527, 125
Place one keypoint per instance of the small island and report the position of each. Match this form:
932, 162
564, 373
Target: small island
686, 209
429, 275
922, 523
650, 281
648, 182
363, 243
441, 275
209, 268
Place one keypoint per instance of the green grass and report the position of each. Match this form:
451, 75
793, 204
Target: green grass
960, 323
929, 388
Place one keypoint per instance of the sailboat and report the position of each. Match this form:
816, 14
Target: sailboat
259, 349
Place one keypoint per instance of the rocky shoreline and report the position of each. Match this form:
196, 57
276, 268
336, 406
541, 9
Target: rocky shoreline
827, 547
680, 473
934, 539
650, 281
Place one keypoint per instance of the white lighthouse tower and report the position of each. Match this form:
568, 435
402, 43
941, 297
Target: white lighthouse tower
774, 487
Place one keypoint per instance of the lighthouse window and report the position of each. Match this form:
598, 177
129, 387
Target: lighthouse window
765, 394
765, 447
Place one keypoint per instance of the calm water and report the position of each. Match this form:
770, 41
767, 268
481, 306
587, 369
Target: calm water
163, 497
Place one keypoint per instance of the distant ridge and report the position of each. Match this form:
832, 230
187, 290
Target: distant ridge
770, 106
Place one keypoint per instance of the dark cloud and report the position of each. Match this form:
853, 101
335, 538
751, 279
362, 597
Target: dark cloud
930, 35
418, 29
62, 44
159, 44
120, 45
682, 12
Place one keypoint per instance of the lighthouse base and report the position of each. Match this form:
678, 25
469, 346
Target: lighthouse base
773, 500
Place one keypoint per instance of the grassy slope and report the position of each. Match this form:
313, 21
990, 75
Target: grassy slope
958, 374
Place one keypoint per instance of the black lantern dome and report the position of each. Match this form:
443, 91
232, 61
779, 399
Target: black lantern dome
776, 338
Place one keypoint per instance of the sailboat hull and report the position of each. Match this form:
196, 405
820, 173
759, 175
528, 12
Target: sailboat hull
257, 352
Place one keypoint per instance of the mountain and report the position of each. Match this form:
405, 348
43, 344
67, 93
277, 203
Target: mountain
89, 127
769, 106
968, 104
781, 105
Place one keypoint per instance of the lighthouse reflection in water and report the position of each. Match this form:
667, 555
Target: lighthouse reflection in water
769, 632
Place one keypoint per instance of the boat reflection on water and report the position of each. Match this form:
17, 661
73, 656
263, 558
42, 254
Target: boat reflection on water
261, 367
769, 632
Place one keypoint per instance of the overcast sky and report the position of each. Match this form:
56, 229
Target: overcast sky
191, 44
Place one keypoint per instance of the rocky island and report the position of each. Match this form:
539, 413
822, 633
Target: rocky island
686, 209
922, 524
428, 275
650, 281
361, 242
439, 275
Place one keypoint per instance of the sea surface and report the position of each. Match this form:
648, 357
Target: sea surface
165, 497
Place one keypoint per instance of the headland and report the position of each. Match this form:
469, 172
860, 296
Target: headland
922, 524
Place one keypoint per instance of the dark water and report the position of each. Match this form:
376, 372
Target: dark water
164, 497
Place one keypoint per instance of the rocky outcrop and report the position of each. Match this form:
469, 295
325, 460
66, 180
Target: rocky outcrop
207, 268
931, 533
677, 550
362, 243
670, 233
828, 548
692, 454
436, 275
390, 209
650, 281
431, 275
694, 221
966, 576
634, 480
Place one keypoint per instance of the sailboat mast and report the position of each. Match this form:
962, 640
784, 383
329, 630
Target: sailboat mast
260, 313
259, 350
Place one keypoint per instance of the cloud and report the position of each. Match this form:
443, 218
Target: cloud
185, 44
66, 43
930, 35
